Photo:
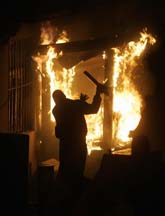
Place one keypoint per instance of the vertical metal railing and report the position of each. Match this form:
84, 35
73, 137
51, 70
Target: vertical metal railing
20, 98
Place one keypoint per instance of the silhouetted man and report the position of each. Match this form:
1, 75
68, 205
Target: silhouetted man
71, 130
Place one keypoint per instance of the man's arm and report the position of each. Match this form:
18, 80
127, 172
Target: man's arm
94, 106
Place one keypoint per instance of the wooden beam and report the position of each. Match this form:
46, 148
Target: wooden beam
108, 103
99, 44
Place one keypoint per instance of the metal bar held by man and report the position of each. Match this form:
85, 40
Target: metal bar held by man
104, 88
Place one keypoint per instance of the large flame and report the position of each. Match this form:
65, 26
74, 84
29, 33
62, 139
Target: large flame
63, 79
127, 101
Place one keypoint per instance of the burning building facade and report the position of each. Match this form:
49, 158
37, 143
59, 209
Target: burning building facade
121, 110
40, 64
44, 56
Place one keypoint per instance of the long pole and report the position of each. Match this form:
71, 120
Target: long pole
108, 103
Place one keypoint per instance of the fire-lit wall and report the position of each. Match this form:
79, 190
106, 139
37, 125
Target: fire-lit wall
26, 32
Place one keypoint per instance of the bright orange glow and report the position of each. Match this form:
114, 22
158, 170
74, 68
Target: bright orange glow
63, 38
127, 101
63, 79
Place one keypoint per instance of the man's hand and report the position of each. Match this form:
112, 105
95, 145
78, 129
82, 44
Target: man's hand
83, 97
102, 89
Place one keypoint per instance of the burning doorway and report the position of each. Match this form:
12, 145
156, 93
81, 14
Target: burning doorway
61, 67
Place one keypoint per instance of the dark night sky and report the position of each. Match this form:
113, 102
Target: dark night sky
29, 10
14, 12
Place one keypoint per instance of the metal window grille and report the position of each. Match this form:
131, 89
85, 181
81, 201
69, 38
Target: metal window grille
20, 100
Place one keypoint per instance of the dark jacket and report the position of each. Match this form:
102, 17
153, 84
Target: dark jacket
70, 120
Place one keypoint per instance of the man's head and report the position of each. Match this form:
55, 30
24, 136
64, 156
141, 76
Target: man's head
58, 96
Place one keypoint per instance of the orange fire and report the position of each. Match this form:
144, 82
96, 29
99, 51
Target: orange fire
63, 79
127, 101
